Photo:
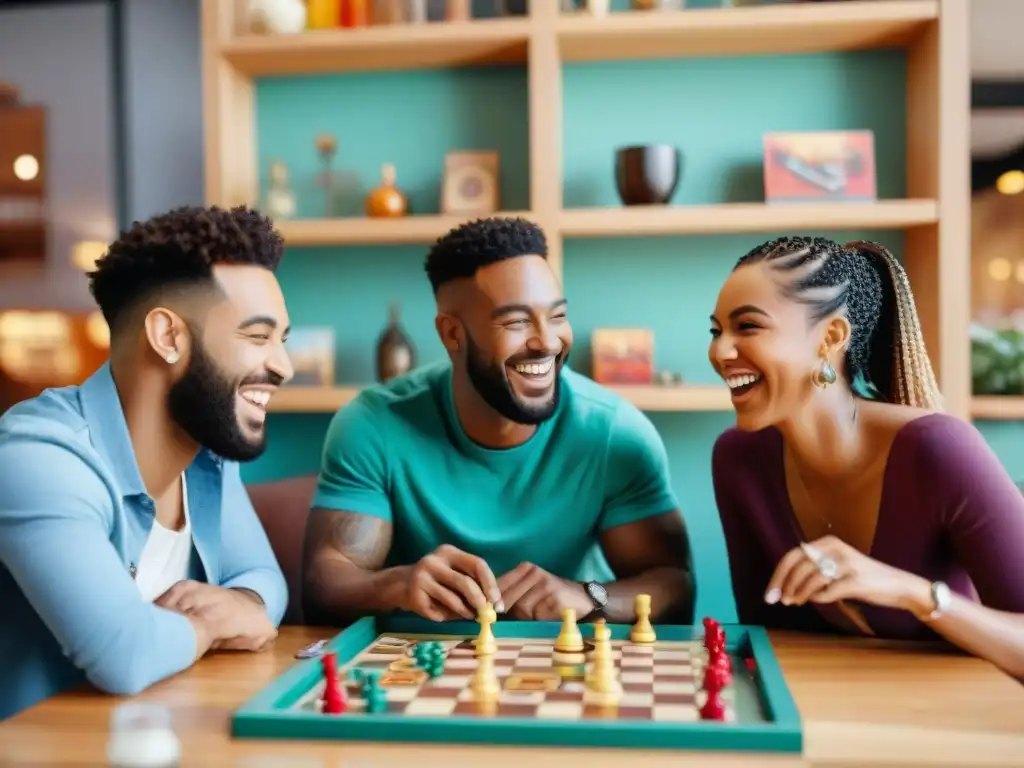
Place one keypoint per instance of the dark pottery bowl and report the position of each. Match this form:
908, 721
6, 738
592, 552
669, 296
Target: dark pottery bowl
647, 175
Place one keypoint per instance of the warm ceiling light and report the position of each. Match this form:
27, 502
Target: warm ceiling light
1000, 269
97, 330
26, 167
1011, 183
86, 253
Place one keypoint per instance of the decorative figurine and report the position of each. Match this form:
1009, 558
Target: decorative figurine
386, 200
395, 353
327, 147
279, 202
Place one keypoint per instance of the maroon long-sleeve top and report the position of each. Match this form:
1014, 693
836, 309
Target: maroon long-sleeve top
949, 512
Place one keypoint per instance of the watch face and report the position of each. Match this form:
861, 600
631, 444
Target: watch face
597, 593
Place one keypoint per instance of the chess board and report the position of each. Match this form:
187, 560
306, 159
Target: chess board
660, 682
543, 701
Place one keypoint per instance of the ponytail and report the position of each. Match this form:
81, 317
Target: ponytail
898, 364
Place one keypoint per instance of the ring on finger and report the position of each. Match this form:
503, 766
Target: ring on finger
828, 568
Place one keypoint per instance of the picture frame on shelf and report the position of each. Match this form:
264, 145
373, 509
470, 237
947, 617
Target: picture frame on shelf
471, 183
311, 351
819, 166
622, 356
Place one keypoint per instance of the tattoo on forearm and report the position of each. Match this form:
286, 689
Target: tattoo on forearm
362, 539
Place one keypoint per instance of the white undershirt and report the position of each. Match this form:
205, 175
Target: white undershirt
166, 557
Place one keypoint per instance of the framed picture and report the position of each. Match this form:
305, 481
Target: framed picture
470, 183
623, 355
311, 350
819, 166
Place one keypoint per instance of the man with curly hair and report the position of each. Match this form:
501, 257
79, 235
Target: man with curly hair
498, 475
128, 544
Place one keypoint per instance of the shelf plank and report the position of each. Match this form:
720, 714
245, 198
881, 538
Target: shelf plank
295, 399
997, 408
774, 29
359, 230
688, 397
404, 46
745, 217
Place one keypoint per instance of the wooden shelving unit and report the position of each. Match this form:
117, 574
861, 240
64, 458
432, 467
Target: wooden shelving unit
747, 31
633, 221
935, 215
998, 408
367, 231
745, 217
412, 46
292, 399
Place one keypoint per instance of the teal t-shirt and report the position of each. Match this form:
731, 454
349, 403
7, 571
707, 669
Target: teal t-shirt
398, 451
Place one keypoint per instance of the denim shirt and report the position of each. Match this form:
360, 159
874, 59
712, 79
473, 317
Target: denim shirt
74, 517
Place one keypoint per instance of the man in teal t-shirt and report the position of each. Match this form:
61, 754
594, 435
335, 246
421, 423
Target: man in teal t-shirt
499, 473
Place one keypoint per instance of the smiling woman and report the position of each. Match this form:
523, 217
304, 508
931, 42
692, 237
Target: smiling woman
843, 483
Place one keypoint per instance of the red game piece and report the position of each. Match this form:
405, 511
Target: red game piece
721, 662
334, 699
714, 636
715, 679
713, 708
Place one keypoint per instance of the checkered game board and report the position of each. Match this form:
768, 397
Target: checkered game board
660, 682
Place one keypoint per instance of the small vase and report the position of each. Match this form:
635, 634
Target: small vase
276, 17
395, 353
279, 202
647, 175
386, 200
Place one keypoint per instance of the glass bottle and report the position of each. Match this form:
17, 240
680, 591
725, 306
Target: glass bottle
395, 353
386, 199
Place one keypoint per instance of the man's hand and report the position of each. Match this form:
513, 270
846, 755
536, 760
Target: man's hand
531, 593
236, 618
449, 583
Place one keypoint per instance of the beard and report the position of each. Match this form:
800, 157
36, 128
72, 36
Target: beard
491, 382
203, 403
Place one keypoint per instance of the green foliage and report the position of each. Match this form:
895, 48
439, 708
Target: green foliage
997, 361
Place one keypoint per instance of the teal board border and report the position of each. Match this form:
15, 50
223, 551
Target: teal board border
269, 714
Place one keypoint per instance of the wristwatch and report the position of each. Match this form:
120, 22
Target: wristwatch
599, 595
941, 597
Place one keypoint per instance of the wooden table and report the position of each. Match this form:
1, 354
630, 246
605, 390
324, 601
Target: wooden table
863, 704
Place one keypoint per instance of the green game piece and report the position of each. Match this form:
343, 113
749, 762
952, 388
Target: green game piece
376, 700
430, 656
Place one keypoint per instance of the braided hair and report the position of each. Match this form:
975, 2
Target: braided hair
864, 280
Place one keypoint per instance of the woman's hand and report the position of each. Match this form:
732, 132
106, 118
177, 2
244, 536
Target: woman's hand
829, 570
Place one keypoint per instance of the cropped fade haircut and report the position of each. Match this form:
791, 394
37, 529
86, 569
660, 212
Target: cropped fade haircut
467, 248
867, 283
178, 250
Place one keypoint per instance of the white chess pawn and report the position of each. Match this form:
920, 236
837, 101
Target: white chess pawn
642, 631
484, 684
485, 643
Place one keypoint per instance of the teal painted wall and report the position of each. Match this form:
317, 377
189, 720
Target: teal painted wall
716, 110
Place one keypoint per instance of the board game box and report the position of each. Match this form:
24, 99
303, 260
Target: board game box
539, 696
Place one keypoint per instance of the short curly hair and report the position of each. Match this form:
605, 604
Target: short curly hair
179, 249
864, 281
476, 244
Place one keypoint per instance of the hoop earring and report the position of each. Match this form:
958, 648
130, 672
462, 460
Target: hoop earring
824, 374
